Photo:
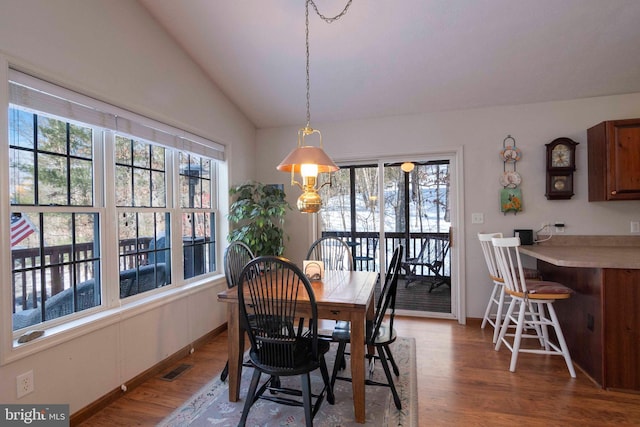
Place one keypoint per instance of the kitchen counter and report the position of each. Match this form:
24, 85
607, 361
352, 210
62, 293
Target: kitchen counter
600, 321
586, 256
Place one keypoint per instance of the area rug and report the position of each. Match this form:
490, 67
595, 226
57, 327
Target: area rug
211, 407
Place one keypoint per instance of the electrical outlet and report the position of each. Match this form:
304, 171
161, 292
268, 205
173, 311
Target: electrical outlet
559, 226
477, 218
24, 383
635, 226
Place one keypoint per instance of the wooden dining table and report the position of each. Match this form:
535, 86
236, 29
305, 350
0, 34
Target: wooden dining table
340, 295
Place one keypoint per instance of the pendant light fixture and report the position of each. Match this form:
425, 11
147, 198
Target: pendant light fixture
309, 160
407, 166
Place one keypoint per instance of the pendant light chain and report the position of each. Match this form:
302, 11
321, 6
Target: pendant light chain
335, 18
327, 20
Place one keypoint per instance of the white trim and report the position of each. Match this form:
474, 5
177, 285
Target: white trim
6, 293
458, 278
459, 261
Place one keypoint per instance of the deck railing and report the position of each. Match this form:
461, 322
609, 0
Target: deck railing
365, 248
60, 262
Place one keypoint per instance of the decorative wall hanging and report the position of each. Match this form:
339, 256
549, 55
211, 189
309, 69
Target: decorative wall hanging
510, 195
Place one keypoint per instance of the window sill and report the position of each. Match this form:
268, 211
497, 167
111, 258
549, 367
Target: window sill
98, 319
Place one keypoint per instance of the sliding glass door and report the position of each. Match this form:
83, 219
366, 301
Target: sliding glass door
376, 207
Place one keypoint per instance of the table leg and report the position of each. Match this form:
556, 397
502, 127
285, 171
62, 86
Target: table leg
236, 351
358, 364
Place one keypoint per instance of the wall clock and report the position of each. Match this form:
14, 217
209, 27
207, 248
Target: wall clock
561, 163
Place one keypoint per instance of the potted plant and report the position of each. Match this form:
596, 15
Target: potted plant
257, 214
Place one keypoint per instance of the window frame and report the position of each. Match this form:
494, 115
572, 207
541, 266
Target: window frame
112, 308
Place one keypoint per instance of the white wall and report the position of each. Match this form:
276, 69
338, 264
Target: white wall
481, 133
114, 51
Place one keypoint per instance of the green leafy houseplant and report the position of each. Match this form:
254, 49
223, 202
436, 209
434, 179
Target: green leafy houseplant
257, 215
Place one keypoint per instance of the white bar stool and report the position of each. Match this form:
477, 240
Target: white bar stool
497, 296
533, 303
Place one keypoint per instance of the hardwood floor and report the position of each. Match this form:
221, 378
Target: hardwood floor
462, 381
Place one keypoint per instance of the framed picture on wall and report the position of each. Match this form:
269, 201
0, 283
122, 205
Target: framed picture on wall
511, 200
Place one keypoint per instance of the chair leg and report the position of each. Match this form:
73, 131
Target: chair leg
225, 372
250, 399
387, 372
518, 337
544, 326
327, 382
487, 313
499, 318
537, 317
505, 323
336, 365
306, 397
392, 360
561, 341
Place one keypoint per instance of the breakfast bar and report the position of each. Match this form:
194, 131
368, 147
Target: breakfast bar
601, 320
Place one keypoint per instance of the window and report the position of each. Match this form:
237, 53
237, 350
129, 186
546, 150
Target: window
74, 163
54, 226
197, 218
143, 234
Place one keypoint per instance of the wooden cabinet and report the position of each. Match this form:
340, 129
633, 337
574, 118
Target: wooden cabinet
614, 160
601, 322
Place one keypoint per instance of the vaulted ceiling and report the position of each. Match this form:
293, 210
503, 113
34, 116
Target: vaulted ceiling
397, 57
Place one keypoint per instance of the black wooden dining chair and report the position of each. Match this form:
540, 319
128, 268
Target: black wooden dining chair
273, 294
379, 335
333, 251
236, 256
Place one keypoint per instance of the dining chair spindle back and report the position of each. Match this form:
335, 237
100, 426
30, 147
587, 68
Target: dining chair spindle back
333, 251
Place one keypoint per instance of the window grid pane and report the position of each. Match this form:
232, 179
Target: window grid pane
45, 175
198, 243
145, 252
140, 182
56, 267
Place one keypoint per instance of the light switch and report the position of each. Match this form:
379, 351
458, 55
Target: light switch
477, 218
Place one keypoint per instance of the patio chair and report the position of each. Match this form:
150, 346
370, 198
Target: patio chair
269, 291
379, 335
429, 264
236, 256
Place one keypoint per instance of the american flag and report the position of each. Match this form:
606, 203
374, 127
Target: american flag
21, 228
